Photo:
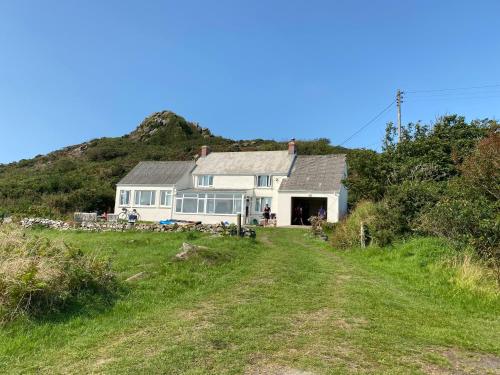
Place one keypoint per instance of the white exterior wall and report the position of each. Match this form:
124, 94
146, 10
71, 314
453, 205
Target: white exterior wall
229, 182
342, 201
237, 182
206, 219
147, 213
285, 206
281, 201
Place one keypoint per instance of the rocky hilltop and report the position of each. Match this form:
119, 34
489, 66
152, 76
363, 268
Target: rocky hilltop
167, 122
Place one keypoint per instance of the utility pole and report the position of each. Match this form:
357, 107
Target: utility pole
399, 100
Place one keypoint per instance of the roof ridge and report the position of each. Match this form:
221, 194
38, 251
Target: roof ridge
241, 152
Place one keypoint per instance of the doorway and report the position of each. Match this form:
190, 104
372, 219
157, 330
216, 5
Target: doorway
308, 207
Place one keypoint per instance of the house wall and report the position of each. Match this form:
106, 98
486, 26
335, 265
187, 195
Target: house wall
230, 182
149, 213
342, 201
285, 206
245, 183
206, 219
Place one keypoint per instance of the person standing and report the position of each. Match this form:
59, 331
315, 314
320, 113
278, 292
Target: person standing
267, 214
299, 214
322, 213
133, 217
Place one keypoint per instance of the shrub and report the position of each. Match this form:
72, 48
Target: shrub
467, 218
468, 211
347, 232
402, 205
39, 276
481, 169
317, 225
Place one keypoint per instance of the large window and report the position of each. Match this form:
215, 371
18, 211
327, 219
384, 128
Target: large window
210, 204
260, 203
264, 181
166, 198
145, 198
124, 197
205, 181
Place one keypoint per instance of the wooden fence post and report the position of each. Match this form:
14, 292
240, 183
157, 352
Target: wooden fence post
238, 224
362, 235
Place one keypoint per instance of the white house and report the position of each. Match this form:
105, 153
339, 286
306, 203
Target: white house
219, 185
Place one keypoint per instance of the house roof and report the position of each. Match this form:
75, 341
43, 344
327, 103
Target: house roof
316, 173
157, 173
245, 163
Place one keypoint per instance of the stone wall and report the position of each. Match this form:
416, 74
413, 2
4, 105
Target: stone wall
216, 229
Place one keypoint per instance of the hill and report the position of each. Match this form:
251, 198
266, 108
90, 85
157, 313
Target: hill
83, 176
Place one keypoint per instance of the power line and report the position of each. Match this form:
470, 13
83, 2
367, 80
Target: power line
368, 123
453, 89
454, 94
444, 95
432, 98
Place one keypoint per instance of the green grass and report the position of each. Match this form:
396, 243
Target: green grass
282, 302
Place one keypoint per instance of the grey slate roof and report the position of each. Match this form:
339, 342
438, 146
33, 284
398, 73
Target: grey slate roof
157, 173
245, 163
316, 173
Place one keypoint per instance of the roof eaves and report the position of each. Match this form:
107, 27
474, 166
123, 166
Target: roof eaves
312, 191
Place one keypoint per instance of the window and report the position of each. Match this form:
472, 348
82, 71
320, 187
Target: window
205, 181
264, 181
166, 198
145, 198
260, 203
124, 197
210, 204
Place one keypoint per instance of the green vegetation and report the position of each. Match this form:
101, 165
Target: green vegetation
39, 276
442, 180
83, 177
405, 304
284, 301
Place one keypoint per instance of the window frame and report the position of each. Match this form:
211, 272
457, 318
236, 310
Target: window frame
209, 202
121, 196
269, 181
260, 202
166, 193
200, 180
137, 198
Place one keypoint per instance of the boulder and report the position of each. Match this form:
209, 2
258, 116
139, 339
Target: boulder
188, 250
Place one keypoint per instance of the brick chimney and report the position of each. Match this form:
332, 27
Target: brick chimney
205, 150
292, 147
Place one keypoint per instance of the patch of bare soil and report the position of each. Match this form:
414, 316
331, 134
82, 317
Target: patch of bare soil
275, 370
460, 362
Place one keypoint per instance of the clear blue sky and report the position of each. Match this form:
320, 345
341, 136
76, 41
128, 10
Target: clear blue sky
73, 70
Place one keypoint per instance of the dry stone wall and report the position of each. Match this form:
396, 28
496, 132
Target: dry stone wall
96, 226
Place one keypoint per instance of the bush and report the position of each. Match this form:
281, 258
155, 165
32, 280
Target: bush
468, 211
467, 218
396, 215
347, 232
39, 276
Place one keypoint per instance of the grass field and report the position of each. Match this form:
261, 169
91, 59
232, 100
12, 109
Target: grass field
284, 304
